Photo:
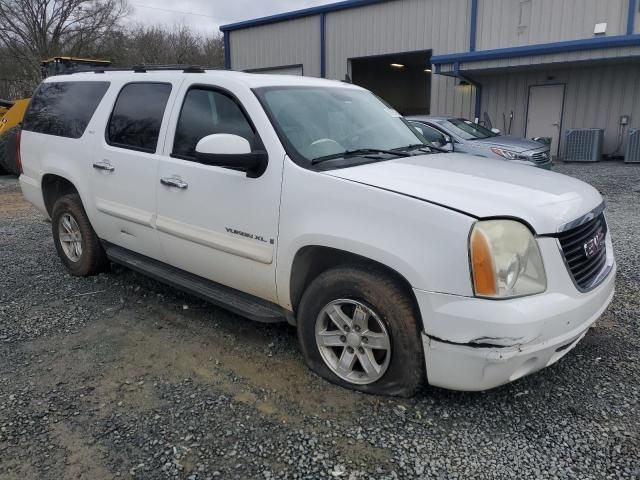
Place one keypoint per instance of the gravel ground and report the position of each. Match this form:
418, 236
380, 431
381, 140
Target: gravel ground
118, 376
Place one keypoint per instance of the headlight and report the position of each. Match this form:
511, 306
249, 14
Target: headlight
505, 260
508, 154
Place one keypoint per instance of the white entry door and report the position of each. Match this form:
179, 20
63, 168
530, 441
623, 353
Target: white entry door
544, 117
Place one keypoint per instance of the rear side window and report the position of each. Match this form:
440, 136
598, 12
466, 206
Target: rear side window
206, 112
137, 116
64, 109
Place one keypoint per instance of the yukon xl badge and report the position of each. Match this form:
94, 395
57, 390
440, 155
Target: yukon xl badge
251, 236
594, 245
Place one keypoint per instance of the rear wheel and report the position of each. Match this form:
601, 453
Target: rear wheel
77, 244
358, 328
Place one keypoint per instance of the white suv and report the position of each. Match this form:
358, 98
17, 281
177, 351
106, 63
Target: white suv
311, 201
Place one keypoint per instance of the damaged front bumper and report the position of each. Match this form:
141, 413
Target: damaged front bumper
474, 344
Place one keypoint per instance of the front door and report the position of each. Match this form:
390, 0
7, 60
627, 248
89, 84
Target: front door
212, 221
544, 117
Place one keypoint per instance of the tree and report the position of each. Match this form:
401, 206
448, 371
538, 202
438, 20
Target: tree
33, 30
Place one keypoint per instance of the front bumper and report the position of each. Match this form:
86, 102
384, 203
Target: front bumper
474, 344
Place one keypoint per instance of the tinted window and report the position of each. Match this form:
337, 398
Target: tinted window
137, 116
206, 112
431, 134
64, 108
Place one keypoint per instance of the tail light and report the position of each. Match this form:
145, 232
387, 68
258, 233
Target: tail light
18, 158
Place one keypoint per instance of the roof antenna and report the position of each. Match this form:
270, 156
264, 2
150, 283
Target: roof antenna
347, 79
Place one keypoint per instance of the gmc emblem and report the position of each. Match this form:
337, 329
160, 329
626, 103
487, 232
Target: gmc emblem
594, 245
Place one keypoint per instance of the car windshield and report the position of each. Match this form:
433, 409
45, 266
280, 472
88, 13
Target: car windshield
337, 125
466, 129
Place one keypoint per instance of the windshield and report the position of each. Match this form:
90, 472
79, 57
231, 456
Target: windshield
466, 129
342, 125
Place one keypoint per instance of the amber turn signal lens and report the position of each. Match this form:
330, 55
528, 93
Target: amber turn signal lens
484, 276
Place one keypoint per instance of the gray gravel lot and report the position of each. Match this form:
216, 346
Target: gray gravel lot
119, 376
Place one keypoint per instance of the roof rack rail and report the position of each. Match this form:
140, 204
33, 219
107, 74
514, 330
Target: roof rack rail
144, 68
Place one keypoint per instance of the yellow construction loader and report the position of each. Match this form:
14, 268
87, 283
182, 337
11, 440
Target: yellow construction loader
12, 112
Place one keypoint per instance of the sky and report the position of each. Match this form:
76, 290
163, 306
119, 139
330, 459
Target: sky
206, 16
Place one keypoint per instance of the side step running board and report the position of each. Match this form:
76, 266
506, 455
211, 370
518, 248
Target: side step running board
228, 298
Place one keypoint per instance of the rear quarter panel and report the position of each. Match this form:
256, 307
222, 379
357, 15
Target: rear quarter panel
43, 154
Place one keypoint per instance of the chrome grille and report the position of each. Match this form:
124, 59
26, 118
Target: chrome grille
541, 157
584, 268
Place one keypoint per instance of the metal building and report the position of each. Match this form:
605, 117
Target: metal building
531, 67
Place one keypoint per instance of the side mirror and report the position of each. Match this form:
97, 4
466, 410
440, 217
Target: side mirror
496, 131
419, 130
448, 139
231, 151
448, 147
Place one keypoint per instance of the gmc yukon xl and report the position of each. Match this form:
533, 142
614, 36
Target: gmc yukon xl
311, 201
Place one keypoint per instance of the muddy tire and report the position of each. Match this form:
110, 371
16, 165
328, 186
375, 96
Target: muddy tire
77, 244
359, 328
8, 161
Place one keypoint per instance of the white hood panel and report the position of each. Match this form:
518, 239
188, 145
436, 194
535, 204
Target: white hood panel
482, 187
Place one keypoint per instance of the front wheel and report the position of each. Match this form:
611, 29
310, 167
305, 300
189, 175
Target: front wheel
358, 328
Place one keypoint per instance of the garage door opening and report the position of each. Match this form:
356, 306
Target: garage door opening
403, 79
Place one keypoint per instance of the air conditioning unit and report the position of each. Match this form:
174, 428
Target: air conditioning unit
583, 144
632, 147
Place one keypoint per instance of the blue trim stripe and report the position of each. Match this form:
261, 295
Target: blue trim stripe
631, 16
323, 45
541, 49
473, 29
306, 12
227, 51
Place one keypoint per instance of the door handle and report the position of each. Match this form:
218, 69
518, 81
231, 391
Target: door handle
174, 182
105, 166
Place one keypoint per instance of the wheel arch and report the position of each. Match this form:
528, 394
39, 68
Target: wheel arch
312, 260
53, 187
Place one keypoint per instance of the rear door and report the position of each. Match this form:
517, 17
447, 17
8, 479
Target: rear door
125, 165
218, 223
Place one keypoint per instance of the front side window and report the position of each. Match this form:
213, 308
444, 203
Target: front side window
318, 123
63, 109
431, 134
207, 112
466, 129
137, 116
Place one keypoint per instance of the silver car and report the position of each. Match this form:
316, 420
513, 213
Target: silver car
464, 136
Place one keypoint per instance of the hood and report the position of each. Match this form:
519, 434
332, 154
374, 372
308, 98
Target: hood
482, 187
515, 144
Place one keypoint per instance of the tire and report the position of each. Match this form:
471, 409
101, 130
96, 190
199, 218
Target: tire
398, 371
90, 259
8, 162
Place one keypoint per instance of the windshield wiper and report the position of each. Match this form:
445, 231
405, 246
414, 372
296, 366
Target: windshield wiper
357, 153
421, 146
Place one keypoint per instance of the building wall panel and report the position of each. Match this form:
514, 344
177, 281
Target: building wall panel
395, 26
447, 98
512, 23
595, 97
286, 43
